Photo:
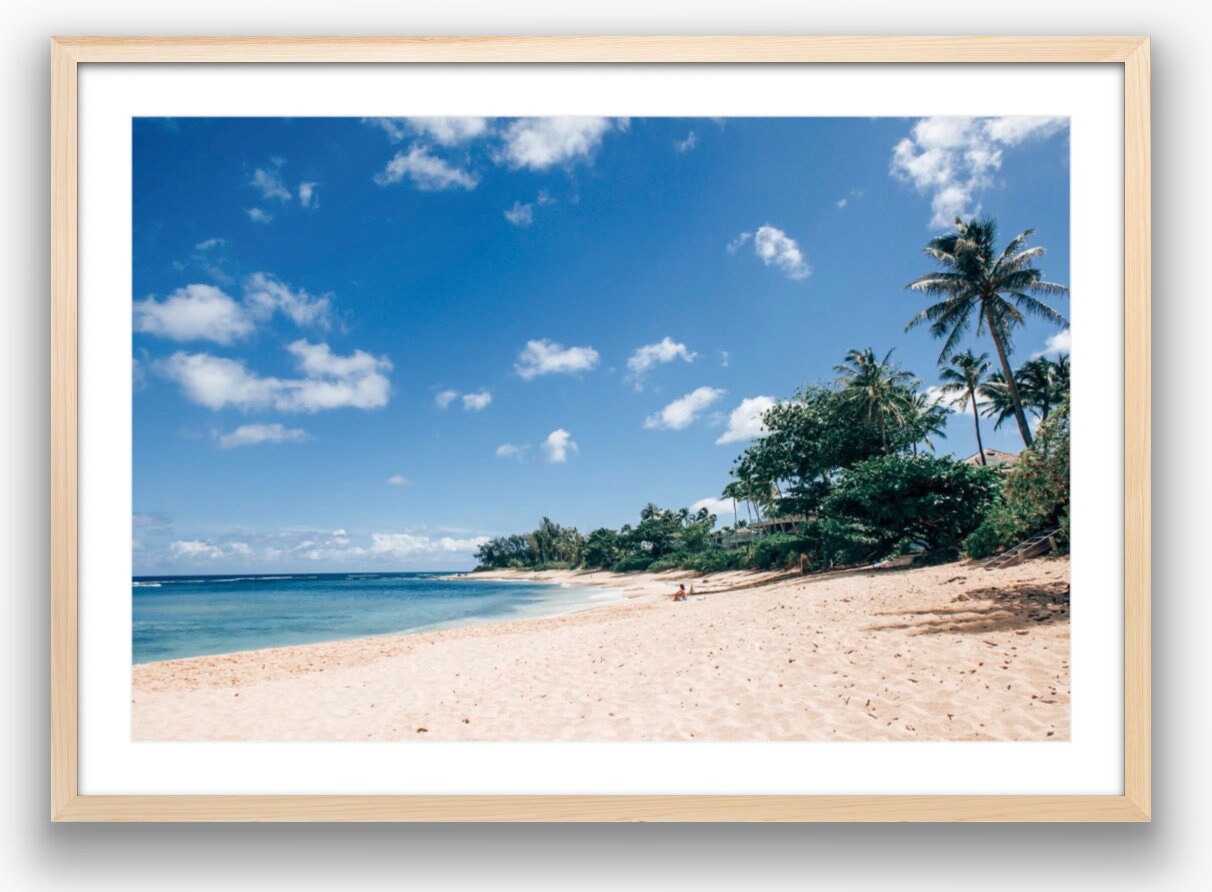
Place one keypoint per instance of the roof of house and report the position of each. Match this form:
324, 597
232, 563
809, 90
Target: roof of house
993, 458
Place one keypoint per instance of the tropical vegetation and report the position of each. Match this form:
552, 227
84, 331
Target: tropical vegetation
845, 471
996, 289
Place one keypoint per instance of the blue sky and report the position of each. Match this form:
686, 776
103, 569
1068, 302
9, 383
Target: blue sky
364, 344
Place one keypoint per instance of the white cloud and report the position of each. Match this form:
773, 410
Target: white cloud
557, 445
332, 382
474, 402
427, 172
270, 183
666, 350
775, 248
723, 509
337, 547
443, 131
736, 243
953, 158
1015, 129
193, 313
138, 374
544, 357
512, 450
841, 203
205, 313
445, 398
193, 548
403, 545
307, 195
398, 480
265, 293
259, 216
1059, 343
778, 249
319, 360
955, 402
539, 143
520, 214
217, 382
682, 412
681, 146
745, 421
253, 434
208, 244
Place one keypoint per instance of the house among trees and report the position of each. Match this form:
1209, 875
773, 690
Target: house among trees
994, 458
735, 537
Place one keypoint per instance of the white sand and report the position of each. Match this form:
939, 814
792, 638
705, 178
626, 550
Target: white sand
943, 653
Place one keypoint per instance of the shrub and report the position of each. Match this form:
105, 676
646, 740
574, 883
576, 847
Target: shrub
837, 541
717, 561
674, 561
633, 563
898, 502
777, 552
1036, 494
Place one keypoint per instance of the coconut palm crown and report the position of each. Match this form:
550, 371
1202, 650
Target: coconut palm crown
996, 290
1042, 385
962, 379
878, 388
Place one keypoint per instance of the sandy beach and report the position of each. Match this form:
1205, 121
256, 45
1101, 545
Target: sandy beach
952, 652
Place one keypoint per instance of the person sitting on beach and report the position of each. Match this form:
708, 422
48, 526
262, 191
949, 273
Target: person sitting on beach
680, 594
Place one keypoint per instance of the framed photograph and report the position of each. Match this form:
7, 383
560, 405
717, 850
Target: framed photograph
595, 429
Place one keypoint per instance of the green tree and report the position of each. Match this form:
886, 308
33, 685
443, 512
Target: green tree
1036, 492
809, 440
996, 289
895, 502
878, 389
602, 548
963, 379
929, 419
735, 492
1041, 383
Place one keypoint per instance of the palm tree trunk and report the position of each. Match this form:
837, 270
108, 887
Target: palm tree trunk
1011, 384
976, 418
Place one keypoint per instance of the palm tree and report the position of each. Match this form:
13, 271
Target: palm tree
995, 288
929, 420
964, 377
996, 395
1043, 383
733, 491
878, 388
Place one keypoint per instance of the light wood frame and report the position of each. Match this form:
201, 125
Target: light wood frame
69, 52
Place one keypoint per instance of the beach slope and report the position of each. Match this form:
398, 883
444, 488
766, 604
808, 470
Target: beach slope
952, 652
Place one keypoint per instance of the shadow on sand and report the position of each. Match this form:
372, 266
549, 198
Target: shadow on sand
1008, 608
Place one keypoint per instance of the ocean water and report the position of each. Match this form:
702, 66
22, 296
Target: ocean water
189, 616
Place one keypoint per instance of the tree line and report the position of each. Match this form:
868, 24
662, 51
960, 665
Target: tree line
849, 463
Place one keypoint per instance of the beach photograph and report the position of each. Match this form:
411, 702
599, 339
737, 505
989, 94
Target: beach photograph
594, 429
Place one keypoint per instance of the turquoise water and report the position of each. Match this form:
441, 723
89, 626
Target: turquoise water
190, 616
